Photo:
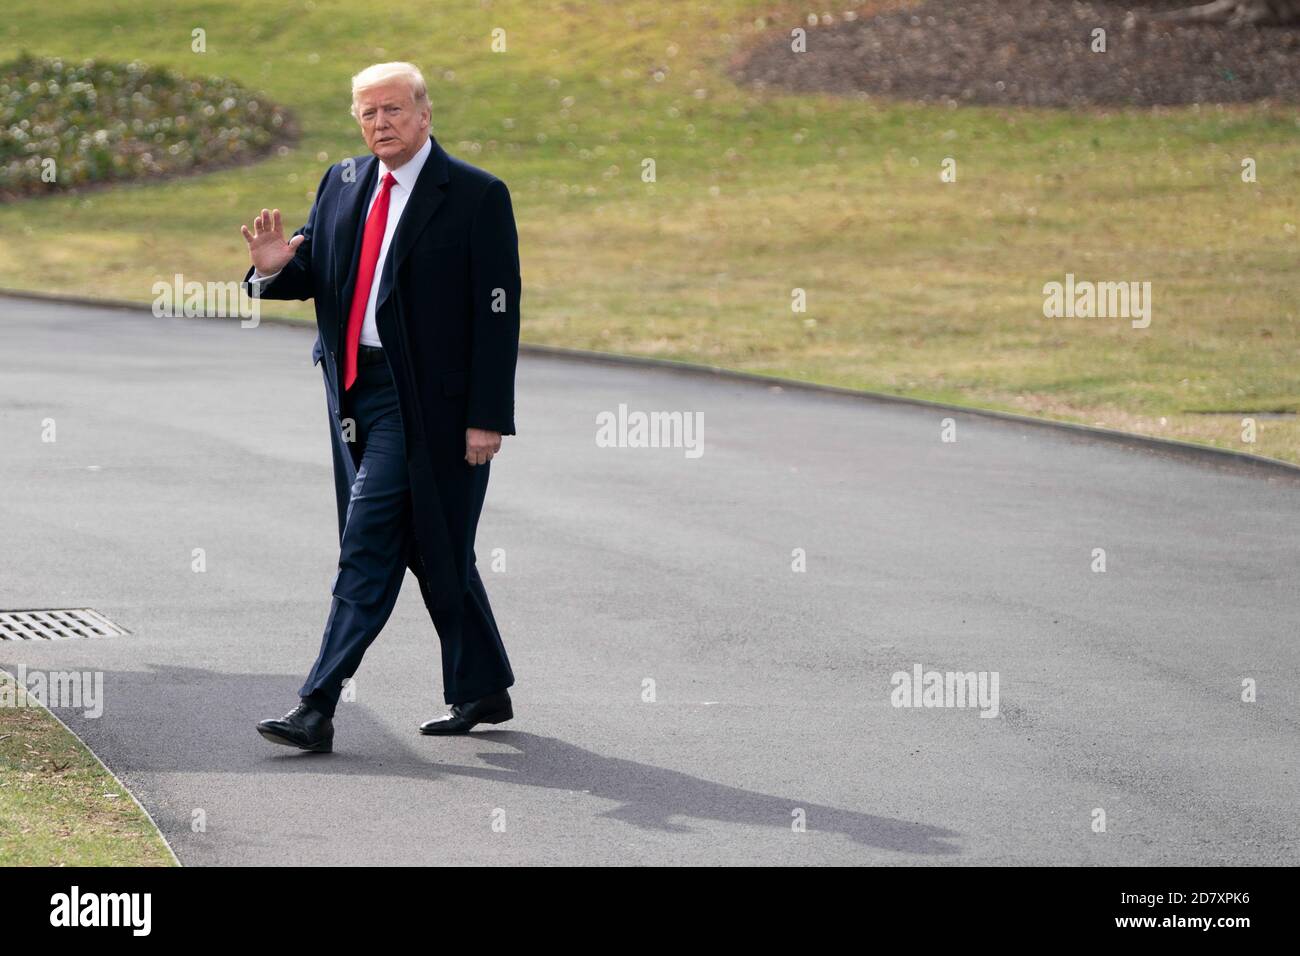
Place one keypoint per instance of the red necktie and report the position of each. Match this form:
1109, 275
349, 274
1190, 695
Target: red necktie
371, 242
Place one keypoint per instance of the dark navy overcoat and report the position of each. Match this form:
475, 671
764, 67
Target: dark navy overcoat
448, 316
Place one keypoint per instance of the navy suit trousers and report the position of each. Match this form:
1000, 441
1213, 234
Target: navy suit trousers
372, 563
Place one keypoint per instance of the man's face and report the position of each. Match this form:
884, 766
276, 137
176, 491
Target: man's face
393, 126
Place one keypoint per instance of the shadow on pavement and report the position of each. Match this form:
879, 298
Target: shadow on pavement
151, 724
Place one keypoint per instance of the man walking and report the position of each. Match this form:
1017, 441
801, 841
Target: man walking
411, 257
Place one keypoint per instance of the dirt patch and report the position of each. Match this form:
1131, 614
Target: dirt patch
1030, 53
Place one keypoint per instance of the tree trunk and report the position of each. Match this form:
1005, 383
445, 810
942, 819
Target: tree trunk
1234, 13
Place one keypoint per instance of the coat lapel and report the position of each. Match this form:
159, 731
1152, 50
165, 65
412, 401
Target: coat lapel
425, 199
348, 225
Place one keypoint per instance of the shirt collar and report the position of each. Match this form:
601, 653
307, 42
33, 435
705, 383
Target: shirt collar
409, 172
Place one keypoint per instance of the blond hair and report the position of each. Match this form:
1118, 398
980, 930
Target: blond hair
380, 73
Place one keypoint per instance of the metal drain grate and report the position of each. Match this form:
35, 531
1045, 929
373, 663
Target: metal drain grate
55, 624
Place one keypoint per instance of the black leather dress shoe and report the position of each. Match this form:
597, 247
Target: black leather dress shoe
493, 709
304, 727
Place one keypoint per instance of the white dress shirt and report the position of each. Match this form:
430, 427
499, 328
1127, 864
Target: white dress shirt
405, 176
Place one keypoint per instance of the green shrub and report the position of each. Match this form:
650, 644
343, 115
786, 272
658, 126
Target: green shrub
102, 122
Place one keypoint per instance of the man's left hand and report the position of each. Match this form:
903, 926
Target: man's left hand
481, 445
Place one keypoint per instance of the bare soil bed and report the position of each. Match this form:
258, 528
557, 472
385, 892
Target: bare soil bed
1030, 53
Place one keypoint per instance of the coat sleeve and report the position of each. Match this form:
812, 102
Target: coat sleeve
495, 281
294, 281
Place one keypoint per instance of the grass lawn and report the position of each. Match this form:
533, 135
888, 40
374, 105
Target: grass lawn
59, 806
914, 286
